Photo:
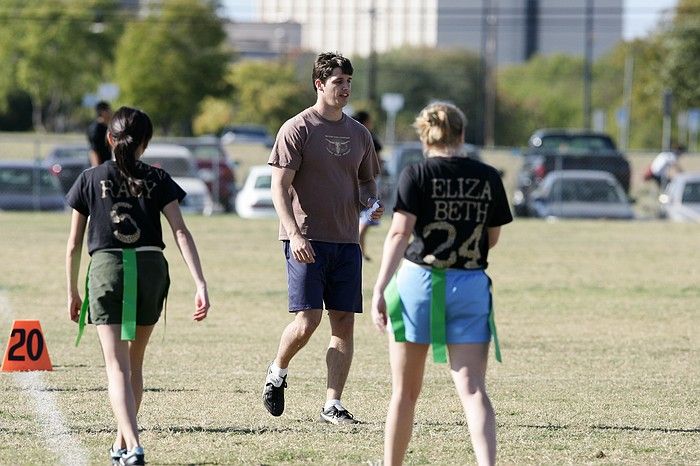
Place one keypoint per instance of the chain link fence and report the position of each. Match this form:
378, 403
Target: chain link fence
37, 170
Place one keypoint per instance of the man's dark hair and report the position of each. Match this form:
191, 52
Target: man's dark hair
361, 116
102, 106
325, 64
679, 149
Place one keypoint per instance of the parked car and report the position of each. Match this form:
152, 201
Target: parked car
28, 186
254, 200
246, 133
580, 194
403, 155
567, 149
67, 163
680, 201
215, 169
180, 165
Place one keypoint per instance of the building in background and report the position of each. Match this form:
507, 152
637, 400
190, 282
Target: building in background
523, 27
264, 40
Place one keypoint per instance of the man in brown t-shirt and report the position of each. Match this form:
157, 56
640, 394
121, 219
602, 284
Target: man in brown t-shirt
324, 165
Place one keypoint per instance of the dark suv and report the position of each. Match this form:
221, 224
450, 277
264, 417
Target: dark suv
567, 149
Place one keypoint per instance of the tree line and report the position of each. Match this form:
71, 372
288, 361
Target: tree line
175, 63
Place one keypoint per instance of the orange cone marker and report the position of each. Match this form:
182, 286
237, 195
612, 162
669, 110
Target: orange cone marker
26, 348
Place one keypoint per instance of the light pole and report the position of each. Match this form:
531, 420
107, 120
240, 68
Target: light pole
587, 74
489, 49
372, 58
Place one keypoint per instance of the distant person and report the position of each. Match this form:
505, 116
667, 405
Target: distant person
100, 151
365, 216
665, 166
453, 208
323, 172
127, 279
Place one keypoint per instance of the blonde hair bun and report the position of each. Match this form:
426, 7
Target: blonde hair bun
440, 124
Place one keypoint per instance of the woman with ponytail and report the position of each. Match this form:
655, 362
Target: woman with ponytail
454, 208
127, 279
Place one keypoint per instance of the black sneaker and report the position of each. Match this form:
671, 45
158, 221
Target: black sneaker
273, 395
133, 457
335, 415
116, 455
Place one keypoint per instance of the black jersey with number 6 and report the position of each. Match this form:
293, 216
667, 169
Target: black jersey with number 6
117, 218
455, 200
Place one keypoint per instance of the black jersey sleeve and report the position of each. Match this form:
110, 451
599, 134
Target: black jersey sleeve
501, 211
77, 195
170, 192
408, 196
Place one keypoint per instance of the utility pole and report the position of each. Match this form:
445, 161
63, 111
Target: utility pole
627, 100
532, 28
489, 49
668, 111
372, 58
587, 75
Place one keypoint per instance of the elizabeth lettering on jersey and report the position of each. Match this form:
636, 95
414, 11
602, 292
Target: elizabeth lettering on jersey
456, 200
461, 199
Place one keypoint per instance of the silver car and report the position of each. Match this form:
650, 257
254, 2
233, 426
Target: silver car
28, 186
180, 165
580, 194
680, 200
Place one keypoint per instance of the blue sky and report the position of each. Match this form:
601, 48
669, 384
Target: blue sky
241, 10
641, 16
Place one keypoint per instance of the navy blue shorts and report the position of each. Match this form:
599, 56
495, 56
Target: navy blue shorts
334, 279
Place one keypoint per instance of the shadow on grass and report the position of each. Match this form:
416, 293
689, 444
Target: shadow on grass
101, 389
58, 389
667, 430
188, 430
219, 430
695, 430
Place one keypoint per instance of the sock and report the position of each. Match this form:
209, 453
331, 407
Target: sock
275, 375
277, 372
330, 403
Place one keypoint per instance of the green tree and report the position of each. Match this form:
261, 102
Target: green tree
170, 60
268, 93
647, 88
50, 50
683, 49
544, 92
214, 113
9, 52
423, 75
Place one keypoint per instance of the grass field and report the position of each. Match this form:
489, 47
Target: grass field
598, 321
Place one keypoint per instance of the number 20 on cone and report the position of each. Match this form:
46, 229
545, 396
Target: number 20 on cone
26, 348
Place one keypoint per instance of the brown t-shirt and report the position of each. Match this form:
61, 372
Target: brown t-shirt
330, 158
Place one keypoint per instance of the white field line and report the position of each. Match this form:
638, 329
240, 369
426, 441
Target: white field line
52, 425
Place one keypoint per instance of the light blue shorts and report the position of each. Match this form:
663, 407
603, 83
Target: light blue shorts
467, 304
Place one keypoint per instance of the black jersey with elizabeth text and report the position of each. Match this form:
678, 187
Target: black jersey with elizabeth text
455, 201
117, 218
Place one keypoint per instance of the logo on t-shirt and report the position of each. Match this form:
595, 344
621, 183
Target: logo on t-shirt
338, 146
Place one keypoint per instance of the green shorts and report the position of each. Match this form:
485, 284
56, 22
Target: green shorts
105, 285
